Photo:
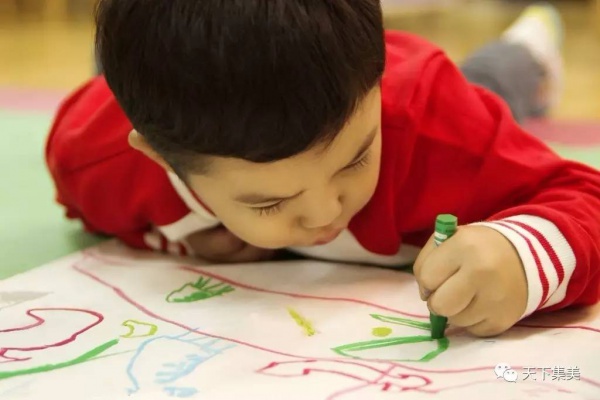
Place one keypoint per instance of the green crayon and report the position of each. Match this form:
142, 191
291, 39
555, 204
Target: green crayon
445, 227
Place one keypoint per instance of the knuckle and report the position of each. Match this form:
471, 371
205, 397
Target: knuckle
482, 270
418, 267
427, 282
217, 252
420, 260
252, 256
201, 251
486, 329
468, 237
437, 305
458, 321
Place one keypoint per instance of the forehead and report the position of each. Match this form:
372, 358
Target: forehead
238, 173
363, 121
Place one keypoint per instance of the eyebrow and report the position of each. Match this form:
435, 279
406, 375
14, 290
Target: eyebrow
257, 198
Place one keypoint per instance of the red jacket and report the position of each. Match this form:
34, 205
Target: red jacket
448, 147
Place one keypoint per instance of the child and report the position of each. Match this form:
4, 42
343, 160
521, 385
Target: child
226, 129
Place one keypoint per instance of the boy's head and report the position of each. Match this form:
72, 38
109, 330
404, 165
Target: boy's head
254, 101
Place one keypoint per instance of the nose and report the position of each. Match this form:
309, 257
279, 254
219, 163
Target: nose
322, 211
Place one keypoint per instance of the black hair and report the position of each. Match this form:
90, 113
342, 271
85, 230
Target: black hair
260, 80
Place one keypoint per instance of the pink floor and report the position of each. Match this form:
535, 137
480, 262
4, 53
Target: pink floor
568, 132
18, 99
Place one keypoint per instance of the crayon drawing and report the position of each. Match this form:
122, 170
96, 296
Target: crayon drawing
114, 323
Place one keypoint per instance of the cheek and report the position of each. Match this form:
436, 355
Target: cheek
270, 232
372, 177
364, 187
265, 232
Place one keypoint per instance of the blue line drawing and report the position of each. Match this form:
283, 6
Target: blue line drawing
202, 349
181, 392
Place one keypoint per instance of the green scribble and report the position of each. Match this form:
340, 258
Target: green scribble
381, 331
426, 326
201, 291
51, 367
131, 324
442, 344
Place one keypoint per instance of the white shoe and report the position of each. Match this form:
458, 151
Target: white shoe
540, 29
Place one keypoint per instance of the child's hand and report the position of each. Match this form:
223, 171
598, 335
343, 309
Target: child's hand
475, 278
221, 246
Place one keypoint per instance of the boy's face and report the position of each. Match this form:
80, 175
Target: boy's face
304, 200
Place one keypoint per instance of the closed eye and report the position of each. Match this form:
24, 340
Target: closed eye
268, 210
364, 160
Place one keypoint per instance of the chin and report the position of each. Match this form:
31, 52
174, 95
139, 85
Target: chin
269, 245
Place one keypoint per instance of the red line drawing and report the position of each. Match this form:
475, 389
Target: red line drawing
386, 379
38, 321
386, 376
222, 278
198, 270
390, 379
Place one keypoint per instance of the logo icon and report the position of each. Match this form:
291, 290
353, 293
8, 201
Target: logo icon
504, 371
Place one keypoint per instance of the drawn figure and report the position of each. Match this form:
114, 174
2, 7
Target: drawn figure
378, 354
364, 350
385, 377
138, 329
23, 349
164, 361
375, 381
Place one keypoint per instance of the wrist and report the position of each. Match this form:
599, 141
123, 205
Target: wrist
547, 258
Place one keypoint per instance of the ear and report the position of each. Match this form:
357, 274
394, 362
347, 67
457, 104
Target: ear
138, 142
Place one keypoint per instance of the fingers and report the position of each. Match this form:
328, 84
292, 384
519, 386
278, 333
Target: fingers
249, 254
488, 328
221, 246
475, 318
475, 279
425, 251
215, 243
418, 265
453, 297
471, 315
482, 329
435, 267
221, 241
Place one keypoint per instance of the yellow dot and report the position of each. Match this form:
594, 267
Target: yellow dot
381, 331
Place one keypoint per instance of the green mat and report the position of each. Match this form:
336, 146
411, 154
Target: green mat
34, 230
588, 155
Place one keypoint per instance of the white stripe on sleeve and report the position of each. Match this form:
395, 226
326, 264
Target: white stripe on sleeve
547, 257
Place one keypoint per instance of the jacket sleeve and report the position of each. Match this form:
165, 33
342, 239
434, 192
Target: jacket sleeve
489, 171
112, 188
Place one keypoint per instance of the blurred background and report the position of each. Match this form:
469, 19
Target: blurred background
48, 44
46, 50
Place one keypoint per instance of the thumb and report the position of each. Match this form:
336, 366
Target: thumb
216, 241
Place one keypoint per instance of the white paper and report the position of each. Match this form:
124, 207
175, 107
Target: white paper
112, 323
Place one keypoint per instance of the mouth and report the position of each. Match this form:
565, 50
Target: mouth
328, 238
